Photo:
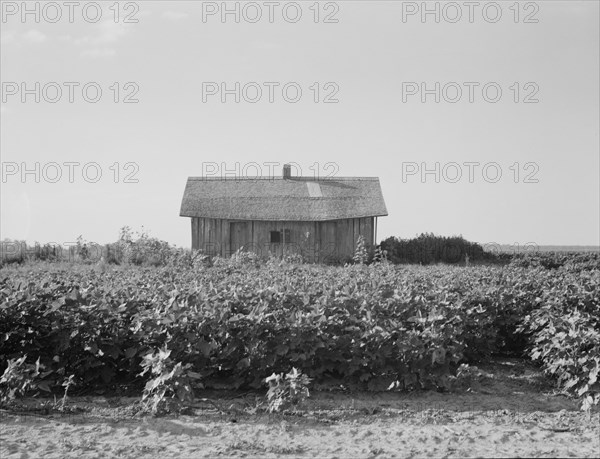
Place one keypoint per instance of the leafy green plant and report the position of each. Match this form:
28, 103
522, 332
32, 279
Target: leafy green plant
379, 255
244, 258
81, 249
360, 252
286, 390
17, 379
67, 383
568, 346
171, 387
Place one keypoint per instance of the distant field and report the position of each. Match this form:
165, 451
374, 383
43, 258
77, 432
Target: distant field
550, 248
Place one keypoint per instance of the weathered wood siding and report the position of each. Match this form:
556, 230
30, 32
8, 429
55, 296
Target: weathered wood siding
316, 241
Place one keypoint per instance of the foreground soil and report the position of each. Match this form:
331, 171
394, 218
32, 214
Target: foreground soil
509, 410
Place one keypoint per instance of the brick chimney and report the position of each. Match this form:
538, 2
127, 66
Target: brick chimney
287, 171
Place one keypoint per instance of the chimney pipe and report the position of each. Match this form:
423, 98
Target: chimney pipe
287, 171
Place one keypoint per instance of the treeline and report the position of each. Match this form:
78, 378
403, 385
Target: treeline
140, 249
136, 248
428, 248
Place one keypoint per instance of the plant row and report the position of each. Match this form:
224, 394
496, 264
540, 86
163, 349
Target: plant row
230, 325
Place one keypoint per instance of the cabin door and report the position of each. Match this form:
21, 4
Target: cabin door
239, 236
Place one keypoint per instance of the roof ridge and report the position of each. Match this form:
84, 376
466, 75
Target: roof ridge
271, 198
292, 179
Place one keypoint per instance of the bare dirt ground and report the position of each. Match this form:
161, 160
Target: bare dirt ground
508, 411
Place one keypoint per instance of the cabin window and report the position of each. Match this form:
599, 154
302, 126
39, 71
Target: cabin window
275, 237
281, 236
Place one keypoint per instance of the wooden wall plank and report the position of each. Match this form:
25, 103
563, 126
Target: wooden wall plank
218, 248
201, 238
367, 230
261, 238
318, 242
208, 233
328, 240
343, 238
194, 233
225, 235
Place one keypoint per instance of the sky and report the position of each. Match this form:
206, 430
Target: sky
482, 123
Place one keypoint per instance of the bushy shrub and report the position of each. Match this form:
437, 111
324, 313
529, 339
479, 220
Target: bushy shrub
17, 379
170, 389
565, 334
428, 249
286, 390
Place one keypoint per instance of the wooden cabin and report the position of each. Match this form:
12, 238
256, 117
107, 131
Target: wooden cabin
319, 218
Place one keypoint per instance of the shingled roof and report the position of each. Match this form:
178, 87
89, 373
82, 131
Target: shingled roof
283, 199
